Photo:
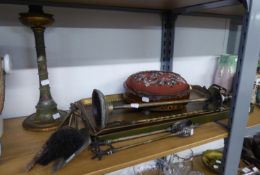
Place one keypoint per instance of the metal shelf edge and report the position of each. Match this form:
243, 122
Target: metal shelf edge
252, 130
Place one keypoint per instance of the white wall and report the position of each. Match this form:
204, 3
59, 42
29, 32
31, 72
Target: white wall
89, 49
198, 41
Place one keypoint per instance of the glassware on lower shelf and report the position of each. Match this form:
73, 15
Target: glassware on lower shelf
181, 168
150, 168
182, 165
171, 165
196, 173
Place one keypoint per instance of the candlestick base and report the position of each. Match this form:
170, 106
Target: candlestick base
36, 123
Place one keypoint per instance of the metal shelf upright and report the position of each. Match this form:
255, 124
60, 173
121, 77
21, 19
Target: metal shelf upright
248, 56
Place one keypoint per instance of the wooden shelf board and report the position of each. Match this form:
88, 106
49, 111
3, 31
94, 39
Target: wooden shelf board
155, 5
19, 146
236, 10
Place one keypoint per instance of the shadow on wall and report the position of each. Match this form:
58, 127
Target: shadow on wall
96, 37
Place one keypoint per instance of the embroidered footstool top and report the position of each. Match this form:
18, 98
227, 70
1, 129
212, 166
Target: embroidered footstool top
157, 85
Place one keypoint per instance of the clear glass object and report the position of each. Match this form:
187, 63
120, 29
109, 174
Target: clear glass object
173, 165
148, 169
182, 165
225, 70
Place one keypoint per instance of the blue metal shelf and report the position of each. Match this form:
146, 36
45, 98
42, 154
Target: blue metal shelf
246, 69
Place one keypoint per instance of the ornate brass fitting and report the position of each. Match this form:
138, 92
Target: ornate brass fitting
47, 116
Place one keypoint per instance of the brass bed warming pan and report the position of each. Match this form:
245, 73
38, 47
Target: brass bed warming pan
204, 105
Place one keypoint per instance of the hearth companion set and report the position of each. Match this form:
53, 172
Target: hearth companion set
156, 105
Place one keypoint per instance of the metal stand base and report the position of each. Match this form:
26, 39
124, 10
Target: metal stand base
33, 123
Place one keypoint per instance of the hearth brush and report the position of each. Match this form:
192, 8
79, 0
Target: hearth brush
63, 144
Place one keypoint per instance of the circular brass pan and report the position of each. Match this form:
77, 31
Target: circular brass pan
32, 124
209, 159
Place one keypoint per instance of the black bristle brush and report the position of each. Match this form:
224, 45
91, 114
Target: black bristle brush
61, 144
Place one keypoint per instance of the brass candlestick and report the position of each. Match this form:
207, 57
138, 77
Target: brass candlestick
47, 116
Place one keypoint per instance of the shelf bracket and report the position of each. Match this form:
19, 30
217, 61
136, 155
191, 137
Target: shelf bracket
167, 46
234, 36
207, 5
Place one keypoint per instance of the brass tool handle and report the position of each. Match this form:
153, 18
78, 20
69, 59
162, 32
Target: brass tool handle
185, 132
154, 104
